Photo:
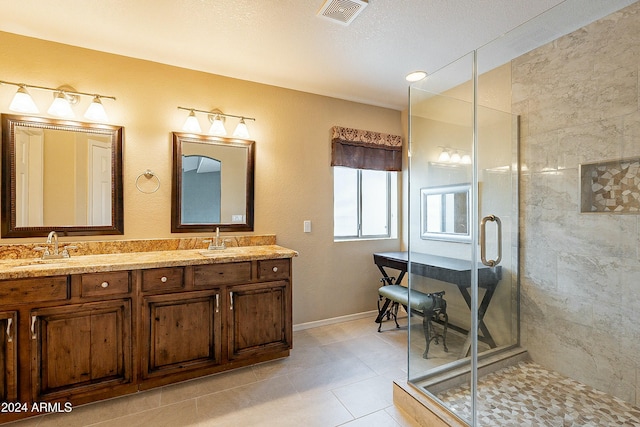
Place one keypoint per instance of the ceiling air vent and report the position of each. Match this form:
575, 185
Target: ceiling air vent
342, 11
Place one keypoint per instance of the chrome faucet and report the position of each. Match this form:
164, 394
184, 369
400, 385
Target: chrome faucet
218, 243
53, 235
53, 238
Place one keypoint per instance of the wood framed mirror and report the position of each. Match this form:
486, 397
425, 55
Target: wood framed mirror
60, 175
212, 185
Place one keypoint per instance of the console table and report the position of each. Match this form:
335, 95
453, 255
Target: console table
450, 270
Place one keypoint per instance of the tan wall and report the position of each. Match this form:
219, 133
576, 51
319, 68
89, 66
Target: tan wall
293, 177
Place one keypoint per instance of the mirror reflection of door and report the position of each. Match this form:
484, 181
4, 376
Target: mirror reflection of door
62, 178
201, 189
99, 206
29, 177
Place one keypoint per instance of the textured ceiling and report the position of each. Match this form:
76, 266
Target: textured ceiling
283, 42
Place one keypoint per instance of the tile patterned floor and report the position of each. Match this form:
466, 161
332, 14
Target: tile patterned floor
529, 395
337, 375
341, 375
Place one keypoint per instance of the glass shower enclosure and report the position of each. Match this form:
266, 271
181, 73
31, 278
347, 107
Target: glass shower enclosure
463, 232
463, 225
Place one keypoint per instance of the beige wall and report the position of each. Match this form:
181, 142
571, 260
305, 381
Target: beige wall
293, 177
579, 101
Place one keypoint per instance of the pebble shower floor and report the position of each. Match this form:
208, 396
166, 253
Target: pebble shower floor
529, 395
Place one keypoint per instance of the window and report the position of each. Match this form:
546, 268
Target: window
364, 203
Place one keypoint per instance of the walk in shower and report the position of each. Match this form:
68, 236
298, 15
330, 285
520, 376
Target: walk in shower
509, 146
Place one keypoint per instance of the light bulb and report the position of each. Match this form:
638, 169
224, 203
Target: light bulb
241, 130
416, 76
96, 111
455, 157
466, 159
22, 102
191, 124
444, 156
217, 127
61, 106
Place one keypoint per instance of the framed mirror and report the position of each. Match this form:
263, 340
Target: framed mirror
60, 175
212, 184
445, 213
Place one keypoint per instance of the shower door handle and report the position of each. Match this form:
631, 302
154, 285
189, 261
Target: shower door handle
483, 240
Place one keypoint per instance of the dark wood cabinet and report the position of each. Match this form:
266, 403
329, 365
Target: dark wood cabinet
80, 348
257, 319
83, 337
213, 317
8, 356
181, 332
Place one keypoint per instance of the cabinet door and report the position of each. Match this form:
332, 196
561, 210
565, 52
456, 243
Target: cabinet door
259, 319
80, 348
182, 332
8, 356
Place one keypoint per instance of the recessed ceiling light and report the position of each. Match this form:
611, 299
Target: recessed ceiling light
416, 76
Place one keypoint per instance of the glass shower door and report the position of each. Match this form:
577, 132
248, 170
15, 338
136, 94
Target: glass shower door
462, 230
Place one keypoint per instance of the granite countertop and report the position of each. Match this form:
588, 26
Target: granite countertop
76, 264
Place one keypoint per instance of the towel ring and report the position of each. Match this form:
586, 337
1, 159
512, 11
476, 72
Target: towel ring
149, 175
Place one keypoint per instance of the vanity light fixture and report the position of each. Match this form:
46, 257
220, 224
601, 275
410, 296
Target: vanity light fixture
217, 125
63, 98
241, 130
96, 111
22, 102
191, 124
444, 156
455, 157
452, 156
217, 118
61, 106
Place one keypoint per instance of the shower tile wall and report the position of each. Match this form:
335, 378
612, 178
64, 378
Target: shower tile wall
579, 103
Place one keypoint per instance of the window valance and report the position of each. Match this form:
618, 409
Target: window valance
362, 149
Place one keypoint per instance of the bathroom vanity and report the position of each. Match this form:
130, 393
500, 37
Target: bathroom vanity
98, 326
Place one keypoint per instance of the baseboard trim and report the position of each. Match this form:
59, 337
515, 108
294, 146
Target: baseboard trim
333, 320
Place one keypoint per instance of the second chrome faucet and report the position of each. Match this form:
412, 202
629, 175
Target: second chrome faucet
56, 254
218, 243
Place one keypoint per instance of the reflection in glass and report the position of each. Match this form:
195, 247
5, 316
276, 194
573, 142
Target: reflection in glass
200, 189
63, 178
445, 212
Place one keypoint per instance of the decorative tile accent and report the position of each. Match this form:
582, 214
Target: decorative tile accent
527, 394
611, 187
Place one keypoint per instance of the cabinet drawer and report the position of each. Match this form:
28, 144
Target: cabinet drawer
221, 274
38, 289
162, 279
274, 269
98, 284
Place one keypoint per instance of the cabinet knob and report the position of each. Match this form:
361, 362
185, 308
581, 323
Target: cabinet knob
275, 269
105, 284
163, 279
